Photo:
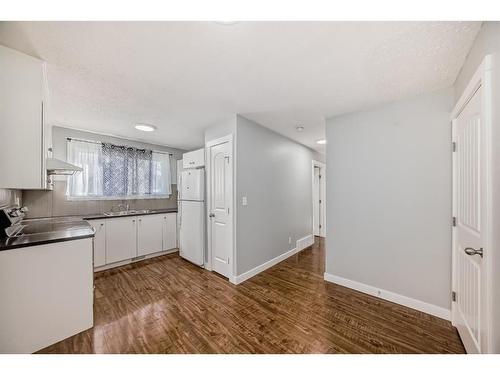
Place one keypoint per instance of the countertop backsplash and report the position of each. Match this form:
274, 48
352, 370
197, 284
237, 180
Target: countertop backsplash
43, 203
8, 197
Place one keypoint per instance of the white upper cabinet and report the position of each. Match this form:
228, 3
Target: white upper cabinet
194, 159
149, 234
23, 151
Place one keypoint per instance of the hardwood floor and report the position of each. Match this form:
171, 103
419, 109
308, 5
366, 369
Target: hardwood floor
167, 305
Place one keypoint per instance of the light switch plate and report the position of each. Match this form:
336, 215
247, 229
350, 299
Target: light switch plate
244, 201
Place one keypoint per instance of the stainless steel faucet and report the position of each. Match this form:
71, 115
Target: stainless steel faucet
123, 207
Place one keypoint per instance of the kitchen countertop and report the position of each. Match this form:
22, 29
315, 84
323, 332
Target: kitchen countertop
60, 229
48, 230
150, 212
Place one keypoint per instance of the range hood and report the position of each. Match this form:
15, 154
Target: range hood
60, 168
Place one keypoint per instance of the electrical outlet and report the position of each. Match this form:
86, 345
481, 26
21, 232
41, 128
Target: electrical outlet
289, 240
244, 201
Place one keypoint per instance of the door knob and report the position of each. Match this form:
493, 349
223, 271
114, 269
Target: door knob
211, 215
472, 251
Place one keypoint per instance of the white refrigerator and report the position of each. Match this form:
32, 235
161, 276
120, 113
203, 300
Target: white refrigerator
191, 206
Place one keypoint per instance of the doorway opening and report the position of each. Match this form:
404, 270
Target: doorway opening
318, 198
472, 247
219, 156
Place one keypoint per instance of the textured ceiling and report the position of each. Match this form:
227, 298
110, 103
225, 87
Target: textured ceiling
184, 76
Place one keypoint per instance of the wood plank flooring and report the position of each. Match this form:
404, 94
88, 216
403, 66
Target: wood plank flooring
167, 305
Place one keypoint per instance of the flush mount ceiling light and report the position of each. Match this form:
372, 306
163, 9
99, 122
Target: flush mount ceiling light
145, 127
299, 128
321, 142
226, 23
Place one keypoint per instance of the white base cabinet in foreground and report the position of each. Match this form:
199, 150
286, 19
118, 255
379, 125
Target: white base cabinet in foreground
122, 240
46, 294
149, 234
99, 242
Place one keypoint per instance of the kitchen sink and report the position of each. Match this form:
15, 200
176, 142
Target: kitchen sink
142, 211
129, 212
117, 213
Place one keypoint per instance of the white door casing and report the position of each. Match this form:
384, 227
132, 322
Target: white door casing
220, 205
471, 308
318, 195
316, 199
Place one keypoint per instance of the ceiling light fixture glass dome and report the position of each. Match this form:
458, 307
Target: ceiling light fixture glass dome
145, 127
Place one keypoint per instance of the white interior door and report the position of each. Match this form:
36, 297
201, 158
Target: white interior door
469, 309
220, 207
316, 200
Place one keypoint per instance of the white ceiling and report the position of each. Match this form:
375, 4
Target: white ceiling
184, 76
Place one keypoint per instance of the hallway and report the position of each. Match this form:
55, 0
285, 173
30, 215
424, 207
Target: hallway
167, 305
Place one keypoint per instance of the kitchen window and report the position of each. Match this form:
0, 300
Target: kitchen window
117, 172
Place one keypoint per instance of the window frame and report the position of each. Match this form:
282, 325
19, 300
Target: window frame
126, 197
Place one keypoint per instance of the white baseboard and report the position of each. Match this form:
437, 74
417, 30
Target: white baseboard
264, 266
425, 307
302, 243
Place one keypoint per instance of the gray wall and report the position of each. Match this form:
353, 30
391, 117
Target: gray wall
389, 197
221, 128
53, 203
274, 173
488, 42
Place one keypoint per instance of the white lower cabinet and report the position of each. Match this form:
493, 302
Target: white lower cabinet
121, 239
169, 232
46, 294
99, 242
149, 234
